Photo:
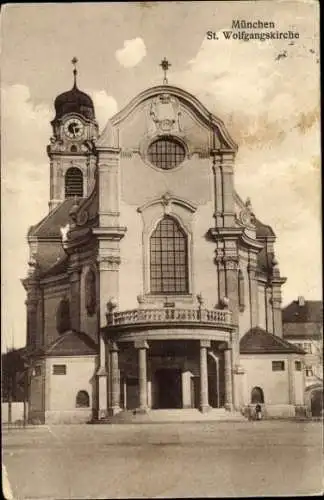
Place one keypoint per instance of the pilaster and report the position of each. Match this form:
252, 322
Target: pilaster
276, 306
269, 311
232, 292
74, 272
228, 379
253, 289
108, 233
223, 188
221, 274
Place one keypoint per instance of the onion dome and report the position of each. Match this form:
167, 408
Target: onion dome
74, 101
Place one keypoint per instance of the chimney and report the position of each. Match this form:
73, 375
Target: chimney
301, 301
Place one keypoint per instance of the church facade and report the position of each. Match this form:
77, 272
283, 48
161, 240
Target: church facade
151, 283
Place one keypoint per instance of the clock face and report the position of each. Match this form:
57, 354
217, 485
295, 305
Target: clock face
73, 128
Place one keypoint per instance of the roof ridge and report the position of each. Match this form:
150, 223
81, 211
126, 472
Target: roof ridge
91, 343
49, 215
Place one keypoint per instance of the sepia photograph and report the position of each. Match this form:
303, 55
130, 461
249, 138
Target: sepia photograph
162, 311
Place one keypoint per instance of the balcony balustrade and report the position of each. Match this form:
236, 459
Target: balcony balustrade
170, 315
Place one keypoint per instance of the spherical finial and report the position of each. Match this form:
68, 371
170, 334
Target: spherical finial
225, 302
274, 262
140, 299
200, 299
74, 61
112, 304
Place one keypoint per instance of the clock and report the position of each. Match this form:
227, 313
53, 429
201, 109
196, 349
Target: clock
73, 128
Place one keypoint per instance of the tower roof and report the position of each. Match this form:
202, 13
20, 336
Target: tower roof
74, 100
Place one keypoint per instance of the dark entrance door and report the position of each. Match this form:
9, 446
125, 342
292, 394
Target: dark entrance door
169, 394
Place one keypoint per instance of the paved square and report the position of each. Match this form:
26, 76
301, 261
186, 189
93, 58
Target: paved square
165, 460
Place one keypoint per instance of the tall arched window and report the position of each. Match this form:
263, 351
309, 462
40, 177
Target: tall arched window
82, 400
168, 258
73, 182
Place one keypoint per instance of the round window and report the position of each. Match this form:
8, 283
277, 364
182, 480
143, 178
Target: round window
166, 153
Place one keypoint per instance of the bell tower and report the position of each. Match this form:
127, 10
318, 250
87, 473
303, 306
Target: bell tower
71, 150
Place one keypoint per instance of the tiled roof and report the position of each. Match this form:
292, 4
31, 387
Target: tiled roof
262, 230
72, 343
59, 267
310, 312
264, 261
49, 227
306, 331
258, 341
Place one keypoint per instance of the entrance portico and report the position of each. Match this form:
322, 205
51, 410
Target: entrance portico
169, 374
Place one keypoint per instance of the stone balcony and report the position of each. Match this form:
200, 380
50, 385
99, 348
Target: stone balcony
217, 318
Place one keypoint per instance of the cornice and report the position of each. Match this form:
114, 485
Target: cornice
166, 199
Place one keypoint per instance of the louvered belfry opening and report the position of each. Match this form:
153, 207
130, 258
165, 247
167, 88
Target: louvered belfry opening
168, 258
73, 182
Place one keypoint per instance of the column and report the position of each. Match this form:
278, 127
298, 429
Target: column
228, 380
115, 379
142, 346
204, 404
235, 369
186, 388
102, 376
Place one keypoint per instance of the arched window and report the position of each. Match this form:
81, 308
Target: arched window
166, 153
82, 400
63, 322
90, 292
73, 182
257, 395
168, 258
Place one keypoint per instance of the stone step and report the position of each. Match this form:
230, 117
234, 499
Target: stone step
173, 415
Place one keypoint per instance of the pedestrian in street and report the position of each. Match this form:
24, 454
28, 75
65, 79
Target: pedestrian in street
258, 412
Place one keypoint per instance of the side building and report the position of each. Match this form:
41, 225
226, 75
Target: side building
303, 327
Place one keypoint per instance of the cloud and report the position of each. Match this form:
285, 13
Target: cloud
271, 108
132, 53
27, 126
105, 107
25, 189
24, 195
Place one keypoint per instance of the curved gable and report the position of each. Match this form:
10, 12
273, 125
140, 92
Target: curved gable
165, 109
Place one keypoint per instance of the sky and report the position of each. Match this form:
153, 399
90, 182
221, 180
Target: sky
266, 93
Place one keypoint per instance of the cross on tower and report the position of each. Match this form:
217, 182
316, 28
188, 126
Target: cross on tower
74, 61
165, 65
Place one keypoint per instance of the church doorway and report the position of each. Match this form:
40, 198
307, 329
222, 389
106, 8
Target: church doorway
257, 395
169, 393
